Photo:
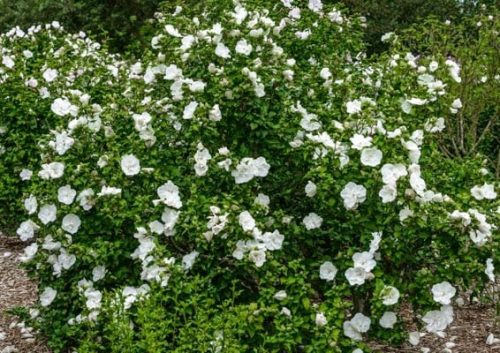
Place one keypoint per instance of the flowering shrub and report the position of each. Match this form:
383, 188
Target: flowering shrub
471, 42
253, 184
42, 71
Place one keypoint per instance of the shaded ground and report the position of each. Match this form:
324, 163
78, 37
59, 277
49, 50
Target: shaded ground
468, 333
15, 290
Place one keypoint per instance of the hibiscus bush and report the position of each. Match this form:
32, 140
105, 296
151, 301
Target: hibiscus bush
252, 184
45, 68
472, 42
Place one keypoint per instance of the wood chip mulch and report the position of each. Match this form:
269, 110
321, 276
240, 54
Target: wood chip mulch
468, 333
16, 290
472, 324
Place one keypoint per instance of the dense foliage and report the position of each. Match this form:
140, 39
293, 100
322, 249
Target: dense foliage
398, 15
119, 22
252, 184
123, 23
474, 43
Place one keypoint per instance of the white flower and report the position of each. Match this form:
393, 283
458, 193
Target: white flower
131, 294
417, 183
464, 217
201, 157
248, 168
454, 70
273, 241
315, 5
312, 221
66, 195
62, 143
414, 338
387, 37
406, 106
215, 113
405, 213
438, 320
388, 320
222, 51
280, 295
490, 270
391, 173
71, 223
98, 273
171, 30
26, 230
85, 199
63, 107
486, 191
189, 110
50, 75
356, 326
433, 66
310, 189
336, 17
47, 214
94, 298
130, 165
239, 14
109, 191
141, 121
25, 174
197, 86
491, 339
364, 260
443, 292
243, 47
172, 72
417, 101
189, 259
353, 107
437, 126
246, 221
285, 311
359, 141
325, 74
156, 227
371, 157
353, 194
257, 256
327, 271
357, 276
263, 200
303, 35
456, 105
64, 260
169, 195
31, 204
375, 242
53, 170
29, 253
388, 193
320, 319
389, 295
48, 296
8, 61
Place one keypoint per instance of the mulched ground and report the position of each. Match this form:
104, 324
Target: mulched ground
468, 333
16, 289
